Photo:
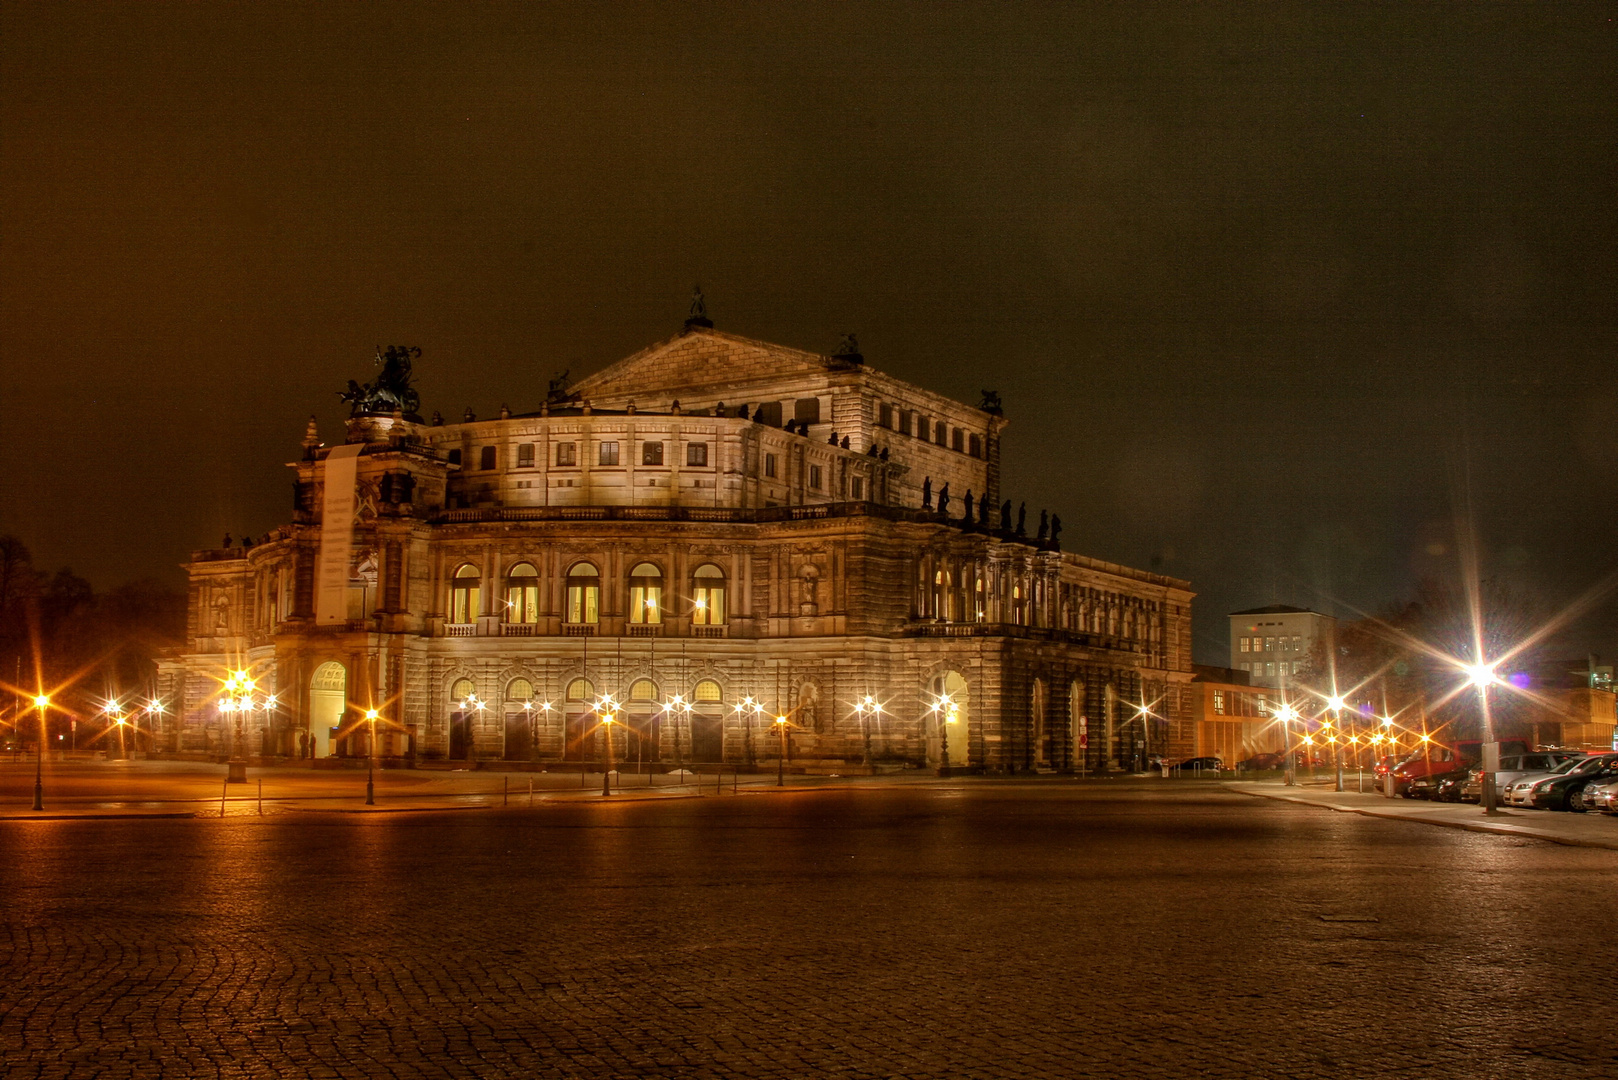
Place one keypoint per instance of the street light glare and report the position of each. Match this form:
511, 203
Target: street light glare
1335, 702
1480, 675
42, 701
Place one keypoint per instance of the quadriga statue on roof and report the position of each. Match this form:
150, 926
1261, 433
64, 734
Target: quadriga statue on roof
391, 391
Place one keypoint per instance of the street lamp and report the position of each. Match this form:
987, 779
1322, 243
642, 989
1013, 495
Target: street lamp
867, 709
1288, 714
370, 760
41, 702
608, 718
781, 762
1482, 676
1335, 704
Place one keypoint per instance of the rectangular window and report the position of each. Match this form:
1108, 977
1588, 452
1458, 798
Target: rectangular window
941, 433
1269, 646
607, 454
768, 412
957, 440
974, 445
769, 465
884, 416
486, 460
696, 454
454, 457
806, 410
651, 453
1297, 642
1263, 704
525, 455
1219, 702
1244, 644
1269, 668
904, 421
567, 453
814, 477
924, 428
859, 488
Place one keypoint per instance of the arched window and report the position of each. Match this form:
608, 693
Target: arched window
580, 690
643, 690
583, 594
645, 594
522, 594
464, 595
462, 691
708, 596
707, 691
520, 690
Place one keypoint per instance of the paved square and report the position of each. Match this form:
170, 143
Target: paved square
971, 929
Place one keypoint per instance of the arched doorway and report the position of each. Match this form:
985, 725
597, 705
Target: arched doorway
1078, 728
1041, 730
328, 700
519, 720
706, 723
947, 718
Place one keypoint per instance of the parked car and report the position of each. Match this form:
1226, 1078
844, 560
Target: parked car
1203, 764
1603, 797
1566, 792
1517, 792
1514, 767
1451, 785
1262, 761
1427, 786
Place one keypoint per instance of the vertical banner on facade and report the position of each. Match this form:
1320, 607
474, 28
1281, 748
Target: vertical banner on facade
336, 534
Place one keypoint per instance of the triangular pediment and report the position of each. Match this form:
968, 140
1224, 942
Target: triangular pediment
697, 359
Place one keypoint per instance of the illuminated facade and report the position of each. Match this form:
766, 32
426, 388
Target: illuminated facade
702, 537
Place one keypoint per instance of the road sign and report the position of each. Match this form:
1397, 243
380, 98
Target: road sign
1084, 740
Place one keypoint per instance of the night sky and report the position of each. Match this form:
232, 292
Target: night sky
1267, 289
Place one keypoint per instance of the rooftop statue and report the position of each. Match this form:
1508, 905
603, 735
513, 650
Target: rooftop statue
391, 391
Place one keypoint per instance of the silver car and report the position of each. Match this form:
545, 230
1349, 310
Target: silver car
1517, 793
1603, 797
1514, 767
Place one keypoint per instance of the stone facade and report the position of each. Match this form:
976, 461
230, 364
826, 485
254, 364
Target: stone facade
715, 532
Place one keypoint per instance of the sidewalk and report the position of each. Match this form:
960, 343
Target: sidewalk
1577, 830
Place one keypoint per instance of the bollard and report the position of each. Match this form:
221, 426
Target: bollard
530, 791
505, 791
582, 780
261, 798
222, 792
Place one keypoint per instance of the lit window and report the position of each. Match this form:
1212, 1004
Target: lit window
645, 594
520, 690
608, 453
580, 690
567, 453
708, 596
643, 690
522, 594
1244, 644
1219, 701
696, 454
464, 595
707, 691
1269, 646
583, 594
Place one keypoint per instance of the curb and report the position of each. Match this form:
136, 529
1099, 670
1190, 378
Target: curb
93, 815
1499, 829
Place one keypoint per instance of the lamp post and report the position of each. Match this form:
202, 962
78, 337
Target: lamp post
1482, 676
866, 709
781, 761
1335, 704
1288, 714
370, 760
41, 702
607, 720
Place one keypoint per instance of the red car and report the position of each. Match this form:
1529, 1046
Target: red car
1436, 757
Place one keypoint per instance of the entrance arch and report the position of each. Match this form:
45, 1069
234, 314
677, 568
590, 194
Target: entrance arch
328, 700
947, 705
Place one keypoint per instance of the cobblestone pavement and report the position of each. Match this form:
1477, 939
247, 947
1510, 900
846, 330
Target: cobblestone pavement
969, 929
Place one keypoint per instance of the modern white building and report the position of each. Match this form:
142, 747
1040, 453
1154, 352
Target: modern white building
1278, 644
